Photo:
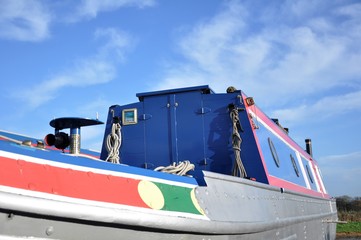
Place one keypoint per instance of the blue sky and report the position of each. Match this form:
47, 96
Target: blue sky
300, 60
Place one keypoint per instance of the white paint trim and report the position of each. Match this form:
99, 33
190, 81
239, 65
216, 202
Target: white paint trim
40, 196
21, 157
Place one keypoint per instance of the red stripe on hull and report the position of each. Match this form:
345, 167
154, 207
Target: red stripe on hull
70, 183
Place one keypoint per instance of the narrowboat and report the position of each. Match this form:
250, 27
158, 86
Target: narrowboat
185, 163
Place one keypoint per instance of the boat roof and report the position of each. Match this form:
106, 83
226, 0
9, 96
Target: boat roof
202, 88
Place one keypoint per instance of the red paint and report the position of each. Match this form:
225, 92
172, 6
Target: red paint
276, 129
318, 178
248, 109
274, 181
284, 136
70, 183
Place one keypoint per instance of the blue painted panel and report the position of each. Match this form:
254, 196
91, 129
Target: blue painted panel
188, 124
189, 128
218, 133
132, 151
250, 153
57, 156
132, 136
158, 149
201, 89
285, 169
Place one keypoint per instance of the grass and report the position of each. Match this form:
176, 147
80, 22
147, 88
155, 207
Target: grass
349, 210
350, 227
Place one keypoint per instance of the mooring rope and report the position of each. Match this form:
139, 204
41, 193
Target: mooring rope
113, 143
181, 169
238, 168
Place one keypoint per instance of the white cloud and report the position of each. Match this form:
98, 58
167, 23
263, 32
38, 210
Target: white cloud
324, 108
116, 43
90, 8
208, 50
348, 158
30, 20
97, 69
341, 172
281, 53
352, 10
24, 20
86, 73
92, 137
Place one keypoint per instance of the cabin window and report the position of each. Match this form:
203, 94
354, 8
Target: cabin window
129, 116
294, 165
274, 153
309, 173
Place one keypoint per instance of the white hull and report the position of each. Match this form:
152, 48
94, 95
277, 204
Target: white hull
237, 209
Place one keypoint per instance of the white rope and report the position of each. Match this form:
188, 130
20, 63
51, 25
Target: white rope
21, 142
181, 169
236, 144
113, 143
87, 156
11, 139
26, 142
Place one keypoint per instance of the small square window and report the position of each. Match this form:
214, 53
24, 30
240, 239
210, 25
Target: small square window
129, 116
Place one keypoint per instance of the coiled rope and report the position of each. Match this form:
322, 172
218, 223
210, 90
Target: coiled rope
238, 168
181, 169
113, 143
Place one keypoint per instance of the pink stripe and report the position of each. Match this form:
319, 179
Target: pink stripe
255, 135
259, 113
274, 181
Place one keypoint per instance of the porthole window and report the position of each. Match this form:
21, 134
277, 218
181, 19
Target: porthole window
309, 173
294, 165
274, 152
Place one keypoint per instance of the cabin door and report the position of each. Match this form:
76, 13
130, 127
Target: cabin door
175, 131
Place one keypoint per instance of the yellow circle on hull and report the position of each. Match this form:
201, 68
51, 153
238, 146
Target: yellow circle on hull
195, 202
151, 194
